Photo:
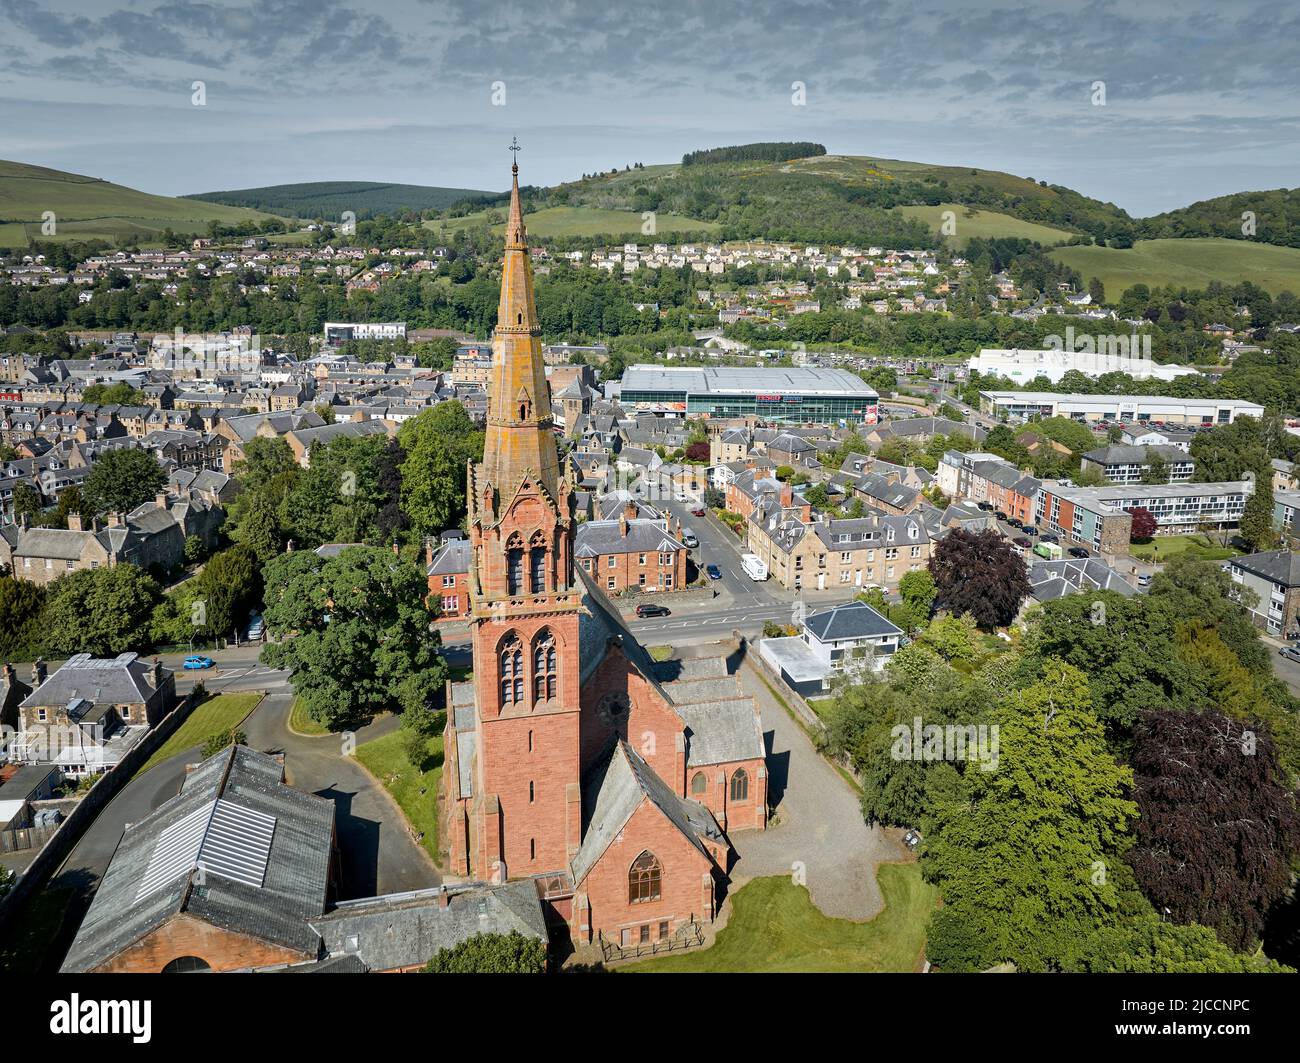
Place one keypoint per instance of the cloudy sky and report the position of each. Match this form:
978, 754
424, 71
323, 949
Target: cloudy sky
1199, 94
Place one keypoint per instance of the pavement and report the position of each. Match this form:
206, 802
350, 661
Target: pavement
819, 831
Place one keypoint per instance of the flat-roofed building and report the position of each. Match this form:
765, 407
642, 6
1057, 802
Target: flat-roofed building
1022, 366
1140, 409
793, 395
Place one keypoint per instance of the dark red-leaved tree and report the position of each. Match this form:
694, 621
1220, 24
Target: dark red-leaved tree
1217, 824
979, 574
698, 452
1144, 524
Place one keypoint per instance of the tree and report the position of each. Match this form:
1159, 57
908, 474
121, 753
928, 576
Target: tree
217, 742
21, 602
1155, 947
258, 526
120, 480
1097, 290
355, 632
1218, 825
1144, 524
917, 589
1157, 469
817, 497
977, 573
27, 502
438, 444
103, 611
697, 452
511, 953
119, 394
1021, 852
229, 586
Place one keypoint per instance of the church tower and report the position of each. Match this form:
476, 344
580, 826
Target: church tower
524, 605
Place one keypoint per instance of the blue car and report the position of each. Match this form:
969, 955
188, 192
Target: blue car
198, 661
713, 572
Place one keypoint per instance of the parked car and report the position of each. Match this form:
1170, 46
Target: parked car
1078, 551
649, 609
698, 511
1291, 653
1001, 516
1015, 522
690, 539
680, 497
1023, 541
1030, 529
1144, 580
256, 627
1049, 538
713, 572
912, 839
985, 506
198, 661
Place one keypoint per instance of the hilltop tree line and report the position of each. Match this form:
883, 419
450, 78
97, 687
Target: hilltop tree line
766, 151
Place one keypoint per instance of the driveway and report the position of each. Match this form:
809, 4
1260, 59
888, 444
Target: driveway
820, 823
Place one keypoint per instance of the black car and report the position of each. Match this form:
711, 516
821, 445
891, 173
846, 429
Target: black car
647, 609
1001, 516
1049, 538
1015, 522
985, 506
1078, 551
1030, 529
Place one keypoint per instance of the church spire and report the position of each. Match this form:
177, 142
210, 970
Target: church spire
519, 436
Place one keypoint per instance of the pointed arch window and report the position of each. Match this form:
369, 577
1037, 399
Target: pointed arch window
699, 784
514, 565
644, 878
512, 672
537, 564
740, 785
544, 667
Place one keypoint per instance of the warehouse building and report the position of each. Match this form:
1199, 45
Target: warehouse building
1140, 409
802, 395
1023, 366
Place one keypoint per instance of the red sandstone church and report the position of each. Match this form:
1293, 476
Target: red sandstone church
573, 758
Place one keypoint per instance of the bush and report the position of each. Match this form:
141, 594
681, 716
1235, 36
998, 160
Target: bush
218, 742
491, 954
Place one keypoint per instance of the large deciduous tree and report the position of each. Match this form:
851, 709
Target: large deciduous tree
1023, 852
1144, 524
1218, 824
977, 573
355, 631
438, 444
104, 611
122, 479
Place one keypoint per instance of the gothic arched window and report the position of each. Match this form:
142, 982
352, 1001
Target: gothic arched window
514, 565
544, 669
740, 785
699, 784
537, 563
512, 672
643, 878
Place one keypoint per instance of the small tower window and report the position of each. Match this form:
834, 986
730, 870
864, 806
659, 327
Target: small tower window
514, 565
544, 670
512, 672
537, 564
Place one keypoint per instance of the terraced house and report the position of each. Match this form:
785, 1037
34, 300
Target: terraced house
631, 553
872, 551
989, 478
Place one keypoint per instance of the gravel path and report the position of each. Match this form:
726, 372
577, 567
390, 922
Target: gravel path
820, 822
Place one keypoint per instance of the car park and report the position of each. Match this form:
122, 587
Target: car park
650, 609
198, 661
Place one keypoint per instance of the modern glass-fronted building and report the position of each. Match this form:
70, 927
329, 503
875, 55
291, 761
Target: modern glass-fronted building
796, 395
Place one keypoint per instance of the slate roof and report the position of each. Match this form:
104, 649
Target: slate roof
1050, 580
1277, 566
452, 559
293, 887
854, 620
406, 929
120, 680
613, 788
595, 538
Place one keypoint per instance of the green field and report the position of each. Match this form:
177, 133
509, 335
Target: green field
580, 221
984, 224
88, 208
1191, 263
215, 716
775, 928
1164, 547
415, 789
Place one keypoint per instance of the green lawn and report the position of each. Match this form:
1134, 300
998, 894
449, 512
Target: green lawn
1192, 263
414, 789
775, 928
300, 720
215, 716
984, 224
1163, 547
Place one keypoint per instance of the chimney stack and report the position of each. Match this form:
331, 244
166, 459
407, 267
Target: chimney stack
157, 673
629, 509
38, 672
74, 522
787, 495
622, 525
161, 499
428, 550
114, 519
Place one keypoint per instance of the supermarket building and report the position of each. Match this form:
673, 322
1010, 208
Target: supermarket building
800, 395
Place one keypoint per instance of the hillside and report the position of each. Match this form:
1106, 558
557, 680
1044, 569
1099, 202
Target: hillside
329, 199
1277, 218
834, 199
1191, 263
973, 223
88, 208
552, 222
